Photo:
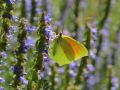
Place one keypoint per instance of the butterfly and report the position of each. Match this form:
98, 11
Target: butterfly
64, 50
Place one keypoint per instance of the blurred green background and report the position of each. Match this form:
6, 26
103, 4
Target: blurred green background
95, 23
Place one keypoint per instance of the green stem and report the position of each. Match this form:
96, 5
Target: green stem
76, 13
52, 78
34, 82
105, 16
33, 12
66, 78
23, 9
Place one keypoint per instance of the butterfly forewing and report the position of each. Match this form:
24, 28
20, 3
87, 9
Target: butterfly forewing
78, 48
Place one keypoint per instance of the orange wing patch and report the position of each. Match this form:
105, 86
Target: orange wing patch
78, 48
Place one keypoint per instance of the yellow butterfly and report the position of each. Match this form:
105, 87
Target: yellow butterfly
64, 50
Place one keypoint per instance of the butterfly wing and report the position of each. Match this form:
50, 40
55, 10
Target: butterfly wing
78, 48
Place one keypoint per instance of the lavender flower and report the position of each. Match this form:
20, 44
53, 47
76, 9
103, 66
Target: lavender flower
48, 29
34, 28
29, 28
114, 88
60, 70
42, 74
92, 54
94, 30
12, 38
98, 61
48, 72
105, 31
115, 83
2, 80
38, 5
4, 64
15, 19
10, 1
73, 65
72, 73
49, 32
46, 58
25, 48
28, 7
94, 34
30, 41
2, 88
91, 80
47, 18
1, 71
4, 55
90, 67
24, 81
14, 28
85, 73
38, 10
